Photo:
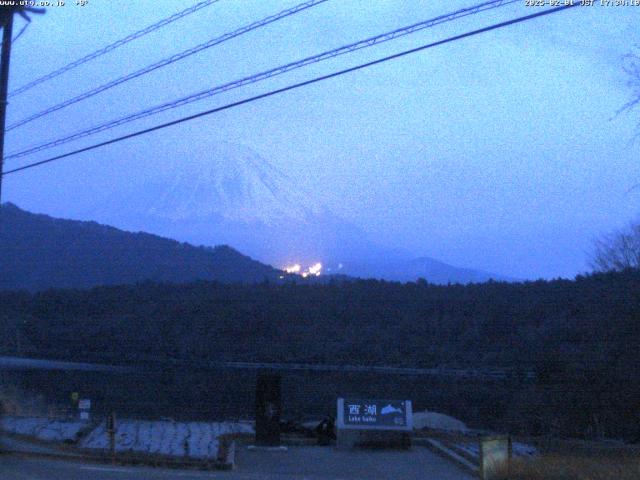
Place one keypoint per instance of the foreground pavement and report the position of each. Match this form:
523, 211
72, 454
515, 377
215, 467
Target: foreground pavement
297, 463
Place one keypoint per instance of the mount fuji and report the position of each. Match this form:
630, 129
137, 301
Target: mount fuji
228, 194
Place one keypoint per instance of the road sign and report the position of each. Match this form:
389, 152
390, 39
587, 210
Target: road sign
111, 423
84, 404
84, 415
111, 430
373, 414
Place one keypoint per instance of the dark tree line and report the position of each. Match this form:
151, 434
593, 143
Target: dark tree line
581, 337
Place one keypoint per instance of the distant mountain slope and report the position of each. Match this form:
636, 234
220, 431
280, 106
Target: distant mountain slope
39, 252
408, 270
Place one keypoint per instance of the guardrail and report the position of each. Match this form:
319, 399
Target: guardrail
20, 363
497, 374
23, 363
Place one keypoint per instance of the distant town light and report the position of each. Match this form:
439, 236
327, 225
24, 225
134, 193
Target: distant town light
293, 269
314, 270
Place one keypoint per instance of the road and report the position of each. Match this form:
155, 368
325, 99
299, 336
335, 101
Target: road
298, 463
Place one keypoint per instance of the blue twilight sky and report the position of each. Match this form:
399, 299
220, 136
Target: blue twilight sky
500, 152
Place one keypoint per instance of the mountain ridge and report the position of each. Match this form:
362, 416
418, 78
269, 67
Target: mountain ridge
42, 252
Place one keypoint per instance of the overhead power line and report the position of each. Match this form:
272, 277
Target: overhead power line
168, 61
368, 42
22, 30
113, 46
297, 85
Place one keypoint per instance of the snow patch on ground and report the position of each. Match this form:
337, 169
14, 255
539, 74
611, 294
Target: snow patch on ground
43, 428
182, 439
437, 421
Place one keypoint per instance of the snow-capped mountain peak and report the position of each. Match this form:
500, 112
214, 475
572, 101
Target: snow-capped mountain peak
232, 182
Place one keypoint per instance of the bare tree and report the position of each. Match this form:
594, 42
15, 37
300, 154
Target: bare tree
621, 250
631, 66
617, 251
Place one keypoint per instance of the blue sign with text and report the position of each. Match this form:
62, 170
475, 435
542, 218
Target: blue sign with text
374, 414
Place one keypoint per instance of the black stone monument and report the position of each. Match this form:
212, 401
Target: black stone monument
268, 409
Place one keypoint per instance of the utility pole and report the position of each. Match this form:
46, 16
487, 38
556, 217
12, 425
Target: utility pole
7, 32
6, 22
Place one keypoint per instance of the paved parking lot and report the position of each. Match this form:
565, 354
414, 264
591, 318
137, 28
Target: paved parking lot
324, 463
297, 463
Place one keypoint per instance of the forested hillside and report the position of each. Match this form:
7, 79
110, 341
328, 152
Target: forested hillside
581, 337
40, 252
